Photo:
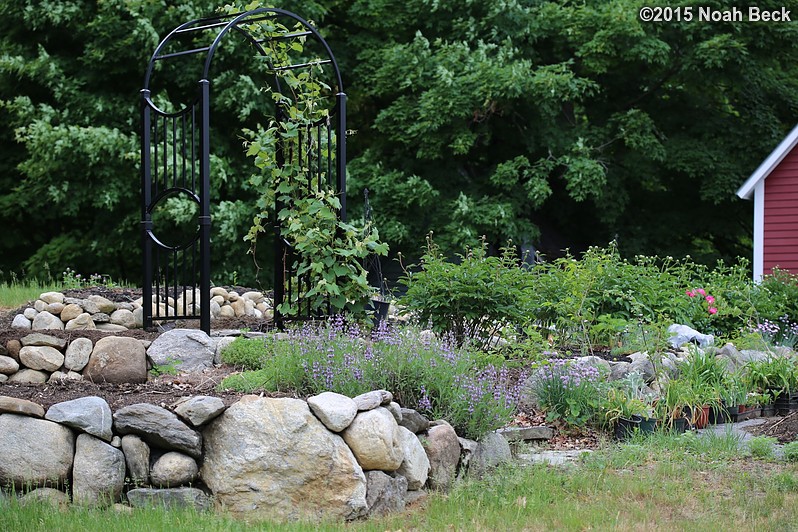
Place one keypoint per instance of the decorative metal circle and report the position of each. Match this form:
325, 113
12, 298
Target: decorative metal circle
175, 218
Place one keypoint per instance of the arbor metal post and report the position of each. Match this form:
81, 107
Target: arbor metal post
146, 219
340, 149
205, 207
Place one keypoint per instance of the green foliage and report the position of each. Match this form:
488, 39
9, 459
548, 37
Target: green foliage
570, 391
460, 386
762, 447
576, 113
472, 299
294, 196
169, 368
250, 353
791, 451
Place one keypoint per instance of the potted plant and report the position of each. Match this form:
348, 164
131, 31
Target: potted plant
677, 397
733, 395
624, 413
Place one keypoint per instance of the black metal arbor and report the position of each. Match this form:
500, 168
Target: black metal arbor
176, 156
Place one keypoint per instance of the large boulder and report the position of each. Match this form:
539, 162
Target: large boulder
443, 452
186, 349
272, 458
375, 440
415, 467
34, 452
385, 494
158, 427
98, 475
91, 415
492, 451
117, 360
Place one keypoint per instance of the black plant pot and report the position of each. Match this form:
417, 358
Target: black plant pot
626, 427
679, 425
769, 410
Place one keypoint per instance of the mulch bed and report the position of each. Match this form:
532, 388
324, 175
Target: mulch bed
784, 429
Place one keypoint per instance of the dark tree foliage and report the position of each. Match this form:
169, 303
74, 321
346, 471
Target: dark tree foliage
554, 124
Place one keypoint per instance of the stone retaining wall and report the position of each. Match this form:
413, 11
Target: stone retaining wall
53, 310
262, 458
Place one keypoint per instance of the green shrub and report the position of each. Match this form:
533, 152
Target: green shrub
791, 451
472, 299
249, 353
762, 447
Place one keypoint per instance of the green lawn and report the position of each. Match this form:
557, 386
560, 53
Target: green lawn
664, 483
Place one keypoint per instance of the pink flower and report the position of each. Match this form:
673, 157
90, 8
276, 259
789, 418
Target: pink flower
710, 299
701, 291
713, 310
690, 293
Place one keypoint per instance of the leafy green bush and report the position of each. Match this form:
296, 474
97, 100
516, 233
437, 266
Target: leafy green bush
458, 385
247, 352
472, 299
791, 451
762, 447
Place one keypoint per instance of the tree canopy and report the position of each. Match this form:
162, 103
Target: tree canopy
554, 124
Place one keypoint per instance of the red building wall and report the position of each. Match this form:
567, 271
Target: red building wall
780, 243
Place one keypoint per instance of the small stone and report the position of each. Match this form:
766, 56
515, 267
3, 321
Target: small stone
41, 357
50, 496
110, 327
13, 347
371, 400
173, 469
52, 297
100, 317
199, 410
227, 312
44, 320
173, 498
123, 317
82, 322
395, 410
103, 304
526, 433
8, 366
78, 353
336, 411
55, 308
29, 376
255, 297
39, 305
21, 322
413, 421
137, 458
88, 414
12, 405
219, 291
39, 339
71, 311
30, 313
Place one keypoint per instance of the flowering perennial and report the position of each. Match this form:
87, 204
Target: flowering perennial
568, 390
